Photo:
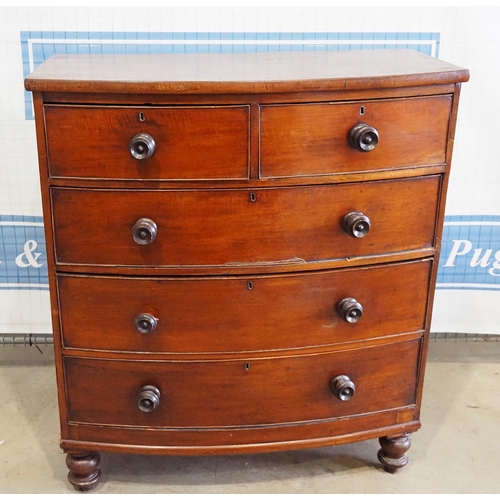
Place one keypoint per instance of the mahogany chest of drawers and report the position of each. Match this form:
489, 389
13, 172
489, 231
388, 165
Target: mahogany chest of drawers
242, 247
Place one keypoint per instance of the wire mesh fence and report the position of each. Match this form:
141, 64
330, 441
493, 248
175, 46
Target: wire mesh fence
47, 339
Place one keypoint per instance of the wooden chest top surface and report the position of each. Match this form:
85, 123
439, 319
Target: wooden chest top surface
262, 72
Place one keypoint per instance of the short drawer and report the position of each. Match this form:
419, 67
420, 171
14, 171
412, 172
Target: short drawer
241, 228
247, 313
203, 142
313, 139
240, 392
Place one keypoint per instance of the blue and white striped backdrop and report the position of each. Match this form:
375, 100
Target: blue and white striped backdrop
23, 259
470, 254
36, 46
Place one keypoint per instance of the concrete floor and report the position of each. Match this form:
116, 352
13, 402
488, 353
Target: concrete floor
456, 451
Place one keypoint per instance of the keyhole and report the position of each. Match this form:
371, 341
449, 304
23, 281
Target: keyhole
250, 285
253, 197
142, 117
247, 366
362, 110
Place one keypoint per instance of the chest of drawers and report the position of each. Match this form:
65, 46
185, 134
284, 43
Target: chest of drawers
242, 248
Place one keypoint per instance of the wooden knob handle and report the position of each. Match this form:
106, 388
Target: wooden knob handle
343, 387
146, 323
142, 147
144, 231
148, 398
356, 224
363, 137
350, 310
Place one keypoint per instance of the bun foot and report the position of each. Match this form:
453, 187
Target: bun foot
83, 472
393, 455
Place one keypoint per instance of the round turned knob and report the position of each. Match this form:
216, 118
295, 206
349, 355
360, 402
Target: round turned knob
148, 398
343, 387
144, 231
146, 323
356, 224
142, 147
350, 310
363, 137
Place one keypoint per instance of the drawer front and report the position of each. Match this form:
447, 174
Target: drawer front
241, 314
235, 228
240, 392
189, 142
313, 139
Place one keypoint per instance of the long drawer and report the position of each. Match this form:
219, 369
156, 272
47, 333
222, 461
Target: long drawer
247, 313
242, 392
236, 228
197, 142
314, 139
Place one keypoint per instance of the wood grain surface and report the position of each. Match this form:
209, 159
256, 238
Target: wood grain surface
241, 393
203, 142
312, 139
260, 72
226, 228
248, 313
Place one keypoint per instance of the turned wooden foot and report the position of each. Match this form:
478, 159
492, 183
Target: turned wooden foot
83, 472
393, 455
